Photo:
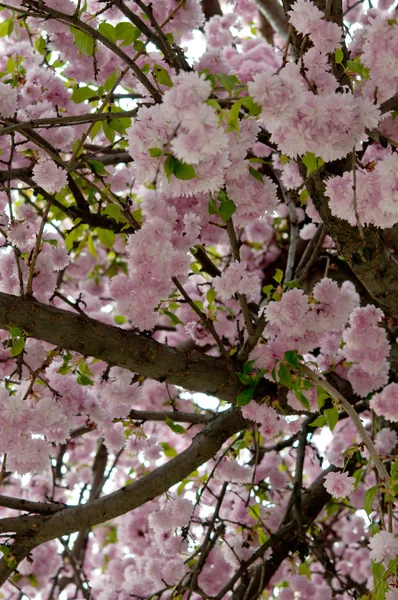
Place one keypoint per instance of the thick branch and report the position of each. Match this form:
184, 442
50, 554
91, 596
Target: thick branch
211, 8
366, 255
118, 347
274, 13
41, 508
37, 530
283, 543
41, 10
51, 122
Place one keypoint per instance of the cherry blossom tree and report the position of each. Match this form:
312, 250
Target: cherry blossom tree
198, 299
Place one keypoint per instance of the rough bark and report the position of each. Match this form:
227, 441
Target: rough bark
366, 255
35, 530
118, 347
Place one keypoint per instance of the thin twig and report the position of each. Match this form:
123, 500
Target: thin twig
205, 320
350, 410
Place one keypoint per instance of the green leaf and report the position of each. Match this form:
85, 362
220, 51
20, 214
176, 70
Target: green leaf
291, 357
339, 56
278, 276
119, 319
119, 125
108, 31
138, 46
332, 416
127, 33
319, 422
98, 167
169, 451
248, 367
254, 511
174, 426
368, 499
394, 468
380, 591
113, 211
227, 81
253, 108
83, 41
15, 331
211, 295
6, 27
110, 82
95, 129
183, 171
232, 116
18, 347
169, 166
106, 237
212, 206
155, 152
108, 131
173, 318
32, 580
162, 76
312, 162
305, 570
267, 289
245, 379
357, 67
373, 529
377, 571
292, 284
40, 45
91, 247
322, 396
256, 174
81, 94
245, 397
303, 197
302, 399
83, 379
284, 376
227, 206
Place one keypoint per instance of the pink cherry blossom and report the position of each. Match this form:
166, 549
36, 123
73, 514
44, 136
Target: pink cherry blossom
50, 177
8, 100
339, 484
384, 547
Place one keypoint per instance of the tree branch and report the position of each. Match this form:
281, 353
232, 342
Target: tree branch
366, 255
37, 530
118, 347
273, 12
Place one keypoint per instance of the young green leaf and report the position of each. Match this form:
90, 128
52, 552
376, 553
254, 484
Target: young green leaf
174, 426
18, 347
169, 166
312, 162
278, 276
339, 56
108, 31
284, 376
245, 397
83, 41
162, 76
155, 152
332, 416
227, 81
184, 171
